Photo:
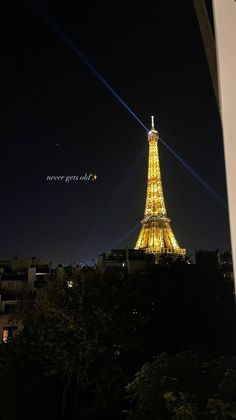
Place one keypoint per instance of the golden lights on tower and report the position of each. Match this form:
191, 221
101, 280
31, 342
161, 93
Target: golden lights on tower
156, 236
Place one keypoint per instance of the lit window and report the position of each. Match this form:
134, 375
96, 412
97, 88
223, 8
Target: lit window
70, 283
8, 334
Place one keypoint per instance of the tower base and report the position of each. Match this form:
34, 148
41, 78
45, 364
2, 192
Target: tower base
156, 237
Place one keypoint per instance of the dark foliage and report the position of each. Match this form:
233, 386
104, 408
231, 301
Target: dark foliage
82, 345
184, 386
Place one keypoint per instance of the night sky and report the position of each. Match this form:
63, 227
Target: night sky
58, 119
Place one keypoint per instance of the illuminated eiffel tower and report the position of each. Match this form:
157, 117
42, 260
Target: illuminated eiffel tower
156, 236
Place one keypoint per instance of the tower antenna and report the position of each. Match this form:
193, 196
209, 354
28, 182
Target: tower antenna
152, 118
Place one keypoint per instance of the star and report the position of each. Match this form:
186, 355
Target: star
95, 177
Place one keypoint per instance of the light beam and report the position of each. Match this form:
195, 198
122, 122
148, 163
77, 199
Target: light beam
201, 181
68, 41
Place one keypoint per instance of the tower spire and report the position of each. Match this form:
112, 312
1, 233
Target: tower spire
152, 118
156, 236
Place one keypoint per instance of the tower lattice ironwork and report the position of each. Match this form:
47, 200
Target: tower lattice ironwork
156, 236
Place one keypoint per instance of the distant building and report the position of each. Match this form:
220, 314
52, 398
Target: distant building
226, 265
207, 259
18, 277
125, 260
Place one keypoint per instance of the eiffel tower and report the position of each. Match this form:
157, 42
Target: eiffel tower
156, 236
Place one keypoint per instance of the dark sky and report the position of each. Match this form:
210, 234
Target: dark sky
58, 119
